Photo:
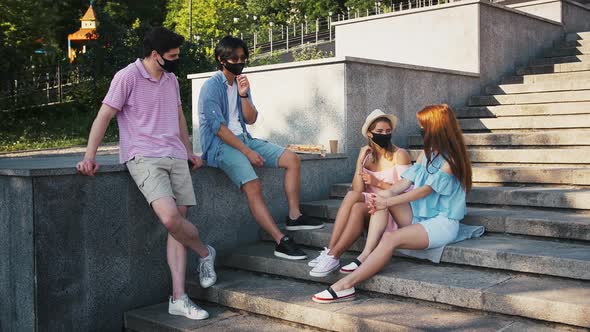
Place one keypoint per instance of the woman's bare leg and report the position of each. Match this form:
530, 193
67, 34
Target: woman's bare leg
351, 198
377, 226
352, 231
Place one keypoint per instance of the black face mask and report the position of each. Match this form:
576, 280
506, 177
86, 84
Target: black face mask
234, 68
422, 132
169, 65
383, 140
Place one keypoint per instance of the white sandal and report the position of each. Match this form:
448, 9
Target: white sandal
331, 296
351, 267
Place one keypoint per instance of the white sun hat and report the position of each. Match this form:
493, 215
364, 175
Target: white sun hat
378, 114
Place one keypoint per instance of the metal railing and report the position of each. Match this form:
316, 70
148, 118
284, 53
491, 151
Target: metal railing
37, 87
283, 37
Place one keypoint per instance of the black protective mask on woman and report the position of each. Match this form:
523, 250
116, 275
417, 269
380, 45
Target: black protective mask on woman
383, 140
169, 65
422, 132
234, 68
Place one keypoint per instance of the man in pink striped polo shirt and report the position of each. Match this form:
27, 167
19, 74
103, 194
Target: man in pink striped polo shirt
155, 146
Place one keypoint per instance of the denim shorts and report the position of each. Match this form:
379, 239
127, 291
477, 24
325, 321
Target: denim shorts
440, 229
237, 166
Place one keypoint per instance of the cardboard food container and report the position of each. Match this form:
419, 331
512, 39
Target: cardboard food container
317, 149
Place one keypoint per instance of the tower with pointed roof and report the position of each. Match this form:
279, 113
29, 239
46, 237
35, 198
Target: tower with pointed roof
86, 32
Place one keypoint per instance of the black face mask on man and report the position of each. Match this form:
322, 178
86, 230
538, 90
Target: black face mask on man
169, 65
234, 68
383, 140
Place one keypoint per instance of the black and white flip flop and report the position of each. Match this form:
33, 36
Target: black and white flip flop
331, 296
351, 267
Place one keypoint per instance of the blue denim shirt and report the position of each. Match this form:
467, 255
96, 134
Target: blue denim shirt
213, 112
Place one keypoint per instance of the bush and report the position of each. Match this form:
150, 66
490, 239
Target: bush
310, 52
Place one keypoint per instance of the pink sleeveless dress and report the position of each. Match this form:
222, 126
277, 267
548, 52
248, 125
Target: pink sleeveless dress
391, 175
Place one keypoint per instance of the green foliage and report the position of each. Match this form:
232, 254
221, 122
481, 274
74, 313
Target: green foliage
310, 53
256, 59
47, 127
210, 18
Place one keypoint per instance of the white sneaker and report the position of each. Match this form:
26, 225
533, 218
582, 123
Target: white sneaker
326, 265
207, 275
185, 307
314, 262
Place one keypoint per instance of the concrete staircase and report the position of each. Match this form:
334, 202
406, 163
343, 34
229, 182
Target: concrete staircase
529, 140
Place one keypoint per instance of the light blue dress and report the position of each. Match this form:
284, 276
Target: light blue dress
440, 212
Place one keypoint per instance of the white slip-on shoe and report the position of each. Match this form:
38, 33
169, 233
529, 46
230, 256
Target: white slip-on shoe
326, 265
207, 275
331, 296
351, 267
314, 262
187, 308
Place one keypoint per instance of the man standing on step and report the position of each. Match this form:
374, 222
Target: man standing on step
155, 146
225, 108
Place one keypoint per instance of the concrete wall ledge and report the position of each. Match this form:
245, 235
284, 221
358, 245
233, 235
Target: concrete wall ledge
79, 251
65, 165
440, 7
526, 3
577, 4
338, 60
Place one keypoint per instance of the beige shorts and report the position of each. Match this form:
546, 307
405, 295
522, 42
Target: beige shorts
163, 177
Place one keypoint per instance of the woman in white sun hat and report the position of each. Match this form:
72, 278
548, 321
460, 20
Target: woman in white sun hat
379, 165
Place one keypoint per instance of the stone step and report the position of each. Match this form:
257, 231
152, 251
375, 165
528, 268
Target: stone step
266, 295
523, 139
550, 77
579, 121
531, 98
523, 110
571, 85
560, 59
556, 198
497, 251
560, 198
509, 220
572, 43
577, 36
556, 68
567, 51
545, 298
547, 138
579, 176
529, 156
155, 318
523, 221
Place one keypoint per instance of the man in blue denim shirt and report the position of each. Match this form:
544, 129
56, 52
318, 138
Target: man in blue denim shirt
225, 107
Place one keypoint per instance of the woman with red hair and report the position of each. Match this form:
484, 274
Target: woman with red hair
428, 216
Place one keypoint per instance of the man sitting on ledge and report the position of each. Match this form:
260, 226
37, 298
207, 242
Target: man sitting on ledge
154, 144
225, 107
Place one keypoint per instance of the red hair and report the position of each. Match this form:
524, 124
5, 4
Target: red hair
443, 135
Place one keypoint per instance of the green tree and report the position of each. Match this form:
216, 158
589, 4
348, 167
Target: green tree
211, 19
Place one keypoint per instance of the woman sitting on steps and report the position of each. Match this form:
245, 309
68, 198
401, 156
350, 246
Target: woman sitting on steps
379, 165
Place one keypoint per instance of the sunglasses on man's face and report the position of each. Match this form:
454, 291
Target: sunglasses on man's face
236, 58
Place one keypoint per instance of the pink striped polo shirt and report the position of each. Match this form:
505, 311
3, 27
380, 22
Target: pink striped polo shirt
148, 113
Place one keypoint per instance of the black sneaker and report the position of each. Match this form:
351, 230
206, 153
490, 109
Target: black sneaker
289, 249
303, 223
